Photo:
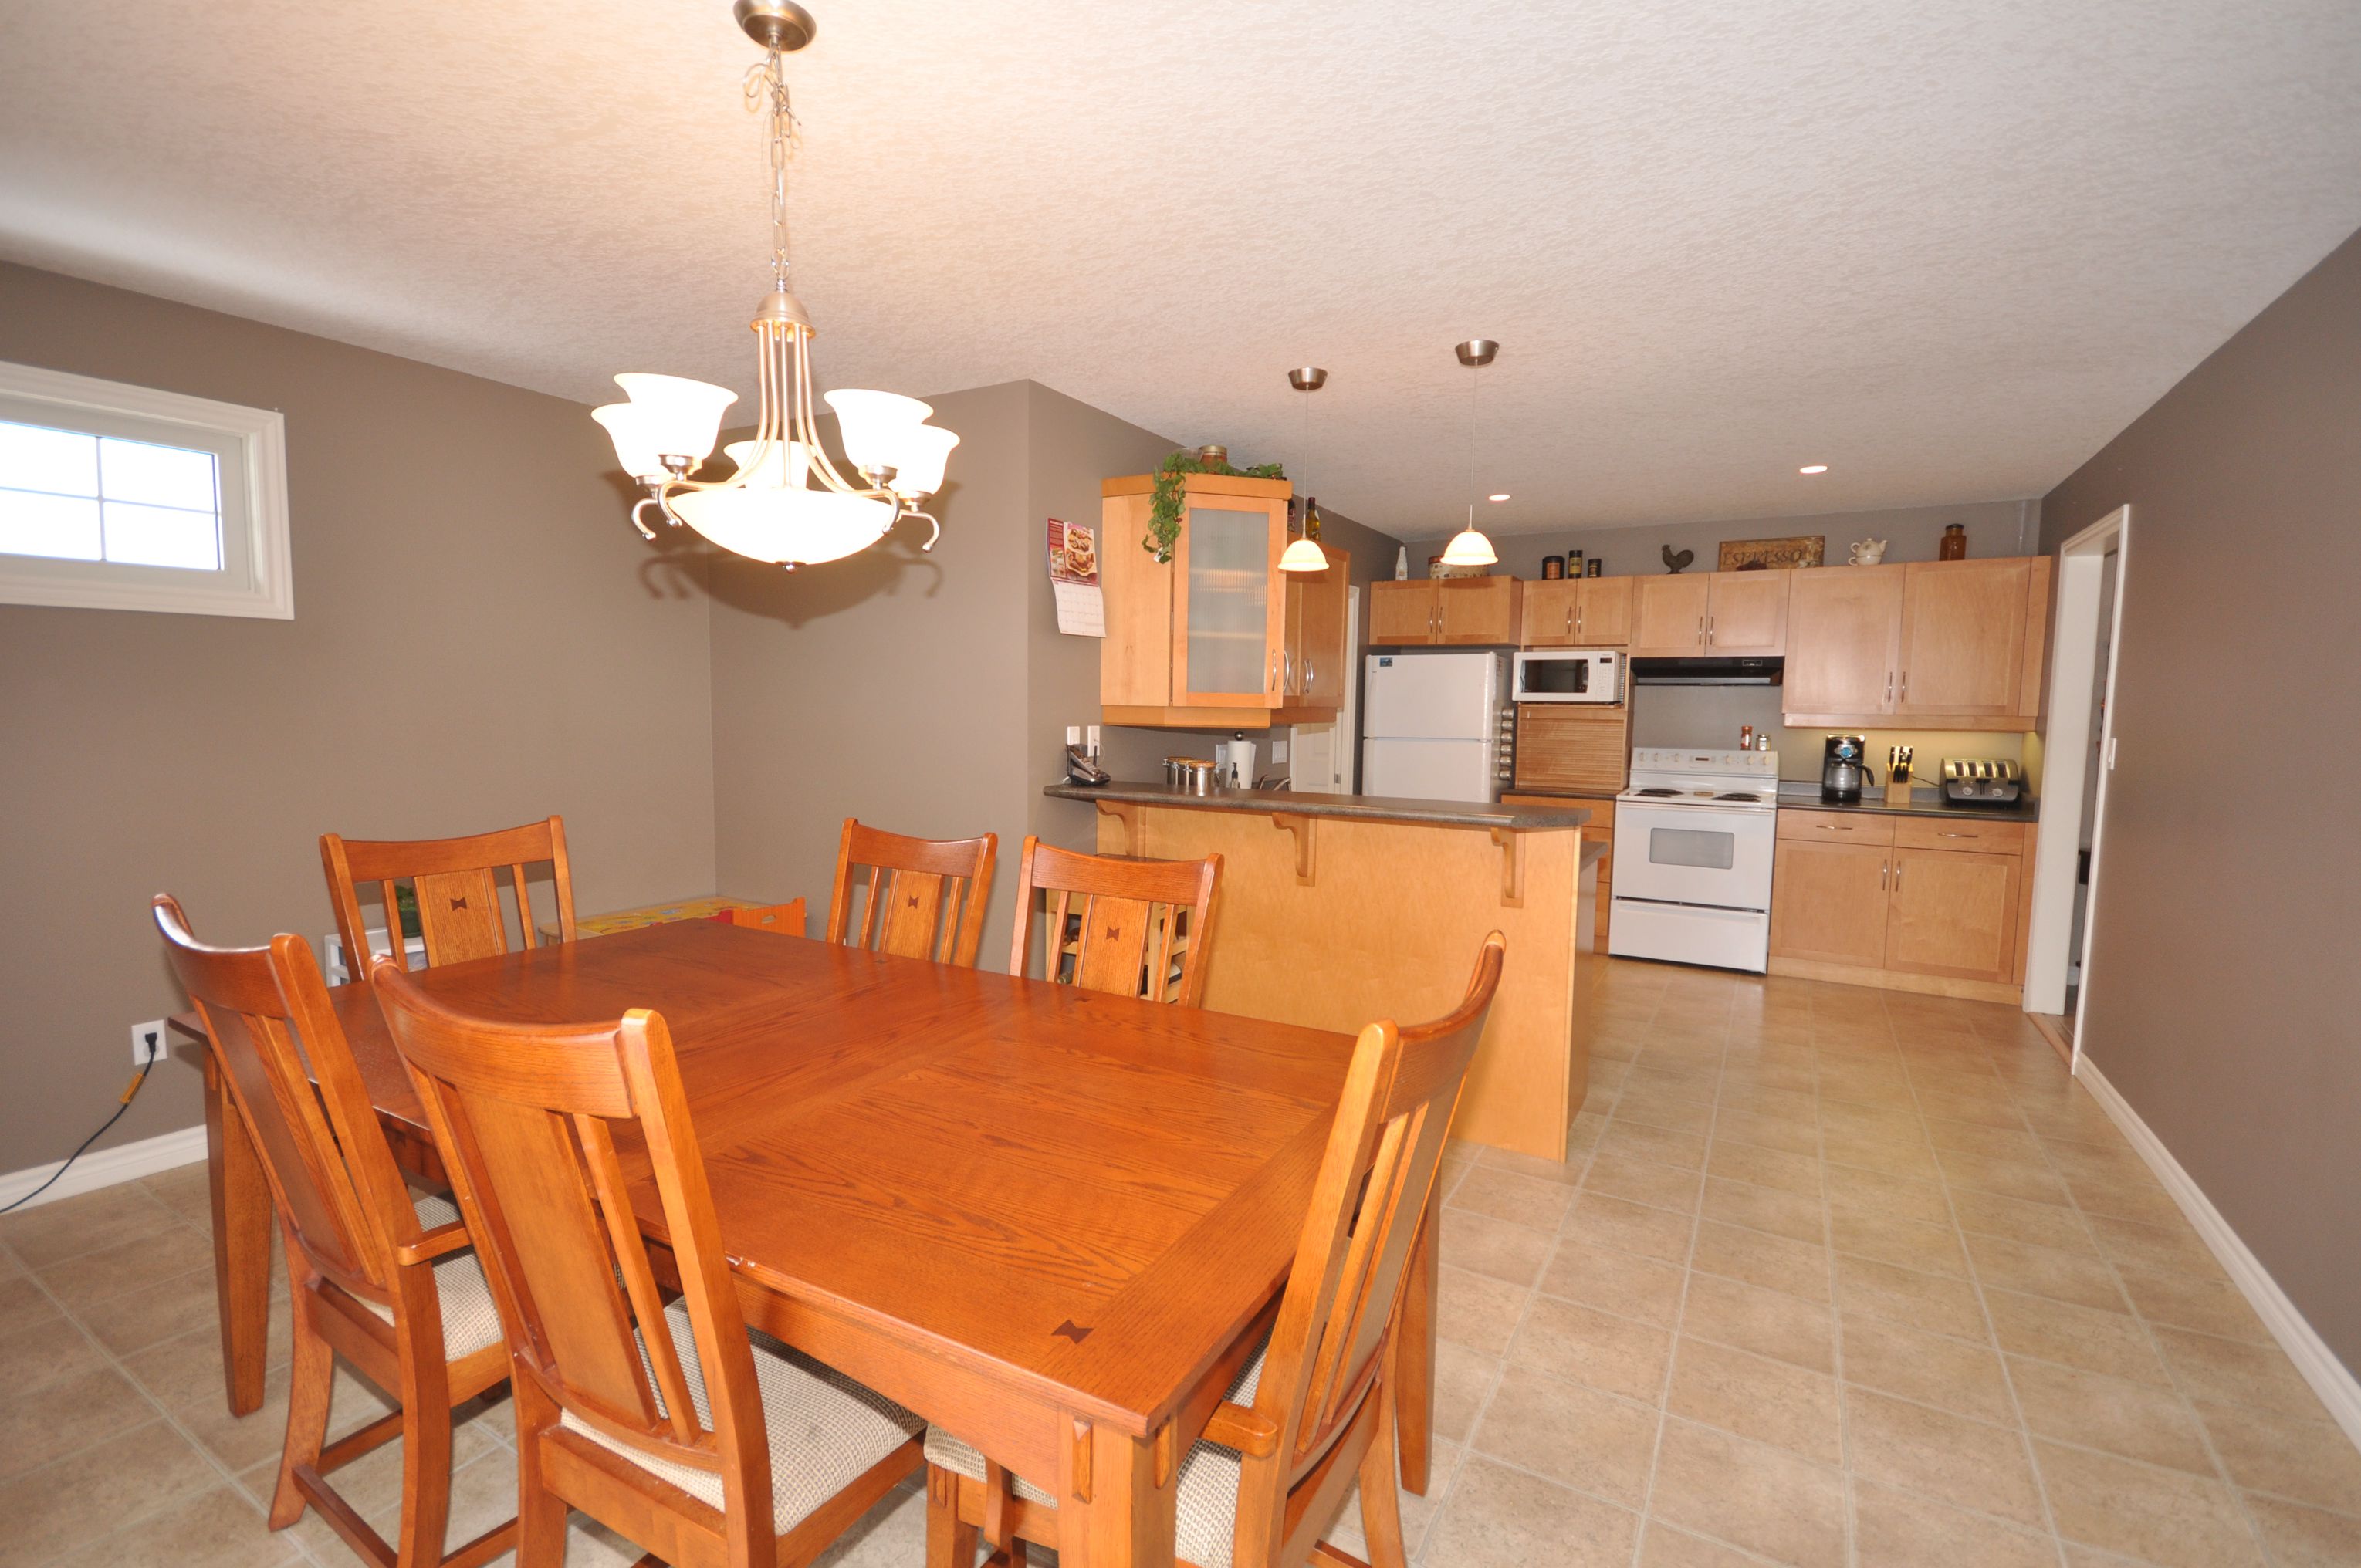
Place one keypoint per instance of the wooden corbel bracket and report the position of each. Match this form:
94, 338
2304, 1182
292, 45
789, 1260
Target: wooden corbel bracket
1303, 828
1135, 842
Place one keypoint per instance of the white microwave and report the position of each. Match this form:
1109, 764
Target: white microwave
1569, 674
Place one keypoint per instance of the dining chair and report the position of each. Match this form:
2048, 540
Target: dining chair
785, 920
925, 898
1126, 908
456, 884
1308, 1411
667, 1423
378, 1275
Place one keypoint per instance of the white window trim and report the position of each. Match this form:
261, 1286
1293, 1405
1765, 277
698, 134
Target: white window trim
260, 435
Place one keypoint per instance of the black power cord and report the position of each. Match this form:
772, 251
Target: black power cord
125, 1104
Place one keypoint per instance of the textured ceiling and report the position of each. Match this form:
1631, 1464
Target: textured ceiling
1949, 249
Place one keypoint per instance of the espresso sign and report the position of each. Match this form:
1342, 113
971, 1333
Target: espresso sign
1739, 554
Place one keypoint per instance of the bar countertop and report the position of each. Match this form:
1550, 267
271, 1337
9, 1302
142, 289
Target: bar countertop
1351, 807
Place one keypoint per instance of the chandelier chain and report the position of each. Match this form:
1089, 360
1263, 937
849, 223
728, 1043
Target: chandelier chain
766, 85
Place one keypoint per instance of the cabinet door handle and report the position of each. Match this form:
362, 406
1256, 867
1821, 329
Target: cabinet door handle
1273, 672
1905, 686
1888, 688
1897, 876
1881, 876
1708, 630
1287, 668
1943, 835
1700, 632
1835, 827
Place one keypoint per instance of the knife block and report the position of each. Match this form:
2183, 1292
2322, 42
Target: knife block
1897, 791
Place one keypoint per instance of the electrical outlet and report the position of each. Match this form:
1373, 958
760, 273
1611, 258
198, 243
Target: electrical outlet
149, 1043
1279, 750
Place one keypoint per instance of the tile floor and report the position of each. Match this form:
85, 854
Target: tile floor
1830, 1277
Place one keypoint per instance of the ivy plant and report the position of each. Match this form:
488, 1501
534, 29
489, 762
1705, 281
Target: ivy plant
1164, 505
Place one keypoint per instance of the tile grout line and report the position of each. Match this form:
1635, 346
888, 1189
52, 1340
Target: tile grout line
115, 1363
1835, 1324
1976, 1283
2179, 1384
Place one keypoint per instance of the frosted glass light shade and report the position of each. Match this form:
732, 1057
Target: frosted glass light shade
875, 425
922, 453
795, 524
627, 426
1304, 555
680, 418
1469, 547
786, 464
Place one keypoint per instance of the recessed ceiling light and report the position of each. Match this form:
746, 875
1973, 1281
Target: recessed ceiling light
1501, 497
1813, 468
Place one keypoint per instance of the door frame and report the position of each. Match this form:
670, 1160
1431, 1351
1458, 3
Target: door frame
2081, 565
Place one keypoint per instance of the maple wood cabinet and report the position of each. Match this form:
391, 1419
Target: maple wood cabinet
1446, 611
1723, 614
1910, 902
1578, 612
1943, 644
1218, 636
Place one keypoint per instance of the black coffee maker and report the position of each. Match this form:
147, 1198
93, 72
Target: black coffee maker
1844, 767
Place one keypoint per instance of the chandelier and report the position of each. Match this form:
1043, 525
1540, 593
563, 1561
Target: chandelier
788, 502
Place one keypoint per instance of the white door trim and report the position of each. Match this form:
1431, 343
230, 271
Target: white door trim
2081, 564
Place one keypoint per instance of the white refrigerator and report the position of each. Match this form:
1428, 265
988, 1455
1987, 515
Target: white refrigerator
1433, 725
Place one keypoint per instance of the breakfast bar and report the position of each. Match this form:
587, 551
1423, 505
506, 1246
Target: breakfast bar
1335, 910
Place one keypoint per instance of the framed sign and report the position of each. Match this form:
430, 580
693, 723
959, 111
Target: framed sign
1740, 555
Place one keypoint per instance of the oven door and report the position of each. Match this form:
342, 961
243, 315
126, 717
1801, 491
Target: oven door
1694, 854
1569, 676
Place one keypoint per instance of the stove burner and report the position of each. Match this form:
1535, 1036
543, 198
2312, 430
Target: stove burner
1738, 796
1656, 792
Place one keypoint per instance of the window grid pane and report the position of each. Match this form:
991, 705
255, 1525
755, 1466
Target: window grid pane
67, 495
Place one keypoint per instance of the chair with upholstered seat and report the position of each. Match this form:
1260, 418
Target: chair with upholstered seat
1308, 1410
706, 1445
377, 1273
925, 897
1135, 927
457, 883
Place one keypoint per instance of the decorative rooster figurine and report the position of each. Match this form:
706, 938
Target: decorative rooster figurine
1676, 560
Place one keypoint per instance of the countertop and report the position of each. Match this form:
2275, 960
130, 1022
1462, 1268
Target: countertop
1353, 808
1927, 802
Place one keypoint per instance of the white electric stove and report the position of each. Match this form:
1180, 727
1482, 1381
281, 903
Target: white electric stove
1694, 838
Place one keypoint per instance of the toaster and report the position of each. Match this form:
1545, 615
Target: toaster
1982, 781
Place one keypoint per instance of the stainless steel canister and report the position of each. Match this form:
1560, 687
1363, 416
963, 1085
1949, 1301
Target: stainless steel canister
1200, 777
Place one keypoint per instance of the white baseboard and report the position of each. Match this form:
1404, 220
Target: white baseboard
105, 1167
2329, 1376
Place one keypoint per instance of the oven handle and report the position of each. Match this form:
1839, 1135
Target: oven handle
1690, 904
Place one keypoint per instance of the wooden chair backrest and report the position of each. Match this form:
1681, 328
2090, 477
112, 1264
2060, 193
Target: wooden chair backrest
1139, 919
1328, 1344
273, 1033
457, 881
925, 896
526, 1116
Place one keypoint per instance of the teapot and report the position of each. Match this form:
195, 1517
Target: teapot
1866, 553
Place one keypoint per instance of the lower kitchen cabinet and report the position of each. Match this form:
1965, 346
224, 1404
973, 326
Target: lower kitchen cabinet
1600, 829
1828, 901
1911, 904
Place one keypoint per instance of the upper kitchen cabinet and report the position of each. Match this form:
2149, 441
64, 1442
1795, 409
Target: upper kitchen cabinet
1844, 639
1731, 614
1218, 636
1451, 612
1954, 644
1578, 612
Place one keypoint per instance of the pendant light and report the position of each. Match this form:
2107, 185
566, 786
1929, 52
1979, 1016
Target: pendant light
1304, 553
1469, 547
788, 502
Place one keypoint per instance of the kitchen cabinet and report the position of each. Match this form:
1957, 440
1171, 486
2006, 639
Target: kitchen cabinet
1725, 614
1844, 637
1446, 611
1931, 904
1218, 636
1953, 913
1578, 612
1600, 829
1572, 747
1941, 644
1828, 901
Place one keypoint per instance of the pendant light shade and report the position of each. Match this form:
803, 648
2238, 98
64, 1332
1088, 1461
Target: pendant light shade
676, 416
1469, 547
772, 514
1304, 555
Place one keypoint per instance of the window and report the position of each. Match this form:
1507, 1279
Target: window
115, 496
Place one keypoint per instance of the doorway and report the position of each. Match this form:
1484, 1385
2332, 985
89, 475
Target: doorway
2081, 757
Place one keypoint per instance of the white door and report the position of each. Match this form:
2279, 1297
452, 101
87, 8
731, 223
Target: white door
1427, 770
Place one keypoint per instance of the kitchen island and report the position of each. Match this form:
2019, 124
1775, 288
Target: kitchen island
1335, 910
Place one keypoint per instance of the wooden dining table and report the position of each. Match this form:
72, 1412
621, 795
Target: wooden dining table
1039, 1216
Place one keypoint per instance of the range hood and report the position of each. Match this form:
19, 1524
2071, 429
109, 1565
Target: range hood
1708, 672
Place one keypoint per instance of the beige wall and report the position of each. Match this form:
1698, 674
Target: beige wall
479, 640
2225, 971
1994, 528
